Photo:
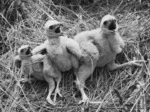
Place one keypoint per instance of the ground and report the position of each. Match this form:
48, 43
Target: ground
125, 90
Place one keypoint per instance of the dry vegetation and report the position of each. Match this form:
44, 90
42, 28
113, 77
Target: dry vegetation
125, 90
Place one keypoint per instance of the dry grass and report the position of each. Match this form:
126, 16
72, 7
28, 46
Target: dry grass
125, 90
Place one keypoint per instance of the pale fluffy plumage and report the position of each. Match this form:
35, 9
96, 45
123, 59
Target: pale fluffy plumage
36, 65
108, 44
62, 51
31, 65
101, 46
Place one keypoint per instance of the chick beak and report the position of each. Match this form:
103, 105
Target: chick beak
112, 25
57, 30
28, 51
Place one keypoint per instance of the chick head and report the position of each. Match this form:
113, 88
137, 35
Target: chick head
53, 28
109, 23
24, 51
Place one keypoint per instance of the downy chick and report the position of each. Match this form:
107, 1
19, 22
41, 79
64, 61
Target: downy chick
36, 65
101, 46
64, 52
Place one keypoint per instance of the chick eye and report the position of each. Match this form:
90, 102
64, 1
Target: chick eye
51, 27
105, 22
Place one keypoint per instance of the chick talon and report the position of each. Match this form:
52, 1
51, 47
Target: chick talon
60, 94
57, 91
137, 63
51, 102
85, 102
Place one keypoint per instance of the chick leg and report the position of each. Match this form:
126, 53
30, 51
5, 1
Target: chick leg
83, 73
51, 84
49, 73
54, 72
57, 90
113, 66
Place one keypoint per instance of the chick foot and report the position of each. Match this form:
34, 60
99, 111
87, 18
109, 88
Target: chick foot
136, 63
85, 100
49, 100
57, 91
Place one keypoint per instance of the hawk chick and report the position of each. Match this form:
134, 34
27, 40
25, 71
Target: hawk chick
64, 52
100, 47
36, 65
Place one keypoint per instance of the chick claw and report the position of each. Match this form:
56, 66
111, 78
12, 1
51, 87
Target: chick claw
50, 101
85, 101
57, 91
136, 63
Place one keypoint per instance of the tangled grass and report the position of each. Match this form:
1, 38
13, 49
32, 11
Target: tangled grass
125, 90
